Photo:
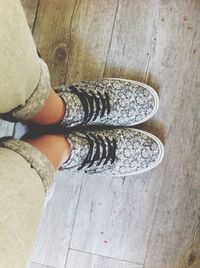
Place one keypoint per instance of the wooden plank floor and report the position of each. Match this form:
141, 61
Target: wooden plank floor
145, 221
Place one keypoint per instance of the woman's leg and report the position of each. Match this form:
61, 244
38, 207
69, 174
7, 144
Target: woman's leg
21, 202
25, 177
19, 62
26, 173
24, 81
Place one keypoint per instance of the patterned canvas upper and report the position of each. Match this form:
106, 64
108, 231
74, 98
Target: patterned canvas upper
113, 152
108, 102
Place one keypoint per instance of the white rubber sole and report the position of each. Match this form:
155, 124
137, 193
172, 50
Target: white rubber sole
153, 92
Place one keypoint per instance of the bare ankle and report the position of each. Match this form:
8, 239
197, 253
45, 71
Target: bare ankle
56, 148
52, 112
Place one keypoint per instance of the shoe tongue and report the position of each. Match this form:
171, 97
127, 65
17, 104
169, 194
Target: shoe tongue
74, 109
80, 149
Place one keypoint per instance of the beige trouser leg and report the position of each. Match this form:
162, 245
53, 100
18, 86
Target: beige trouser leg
25, 177
25, 173
21, 202
18, 77
24, 77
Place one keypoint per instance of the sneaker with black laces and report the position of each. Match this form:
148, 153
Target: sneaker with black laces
108, 101
115, 152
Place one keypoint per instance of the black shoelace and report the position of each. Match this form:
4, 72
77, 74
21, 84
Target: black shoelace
95, 154
93, 104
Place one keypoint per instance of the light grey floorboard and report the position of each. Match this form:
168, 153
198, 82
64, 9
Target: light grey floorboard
77, 259
115, 216
128, 223
19, 130
37, 265
129, 51
6, 128
175, 239
58, 217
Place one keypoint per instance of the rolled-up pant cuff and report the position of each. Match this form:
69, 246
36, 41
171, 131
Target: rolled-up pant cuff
36, 101
37, 160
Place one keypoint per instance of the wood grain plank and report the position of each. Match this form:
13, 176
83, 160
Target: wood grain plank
73, 39
85, 260
130, 59
175, 61
57, 221
129, 49
91, 30
115, 216
52, 33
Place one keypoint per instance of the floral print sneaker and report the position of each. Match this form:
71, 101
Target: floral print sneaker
116, 152
108, 101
